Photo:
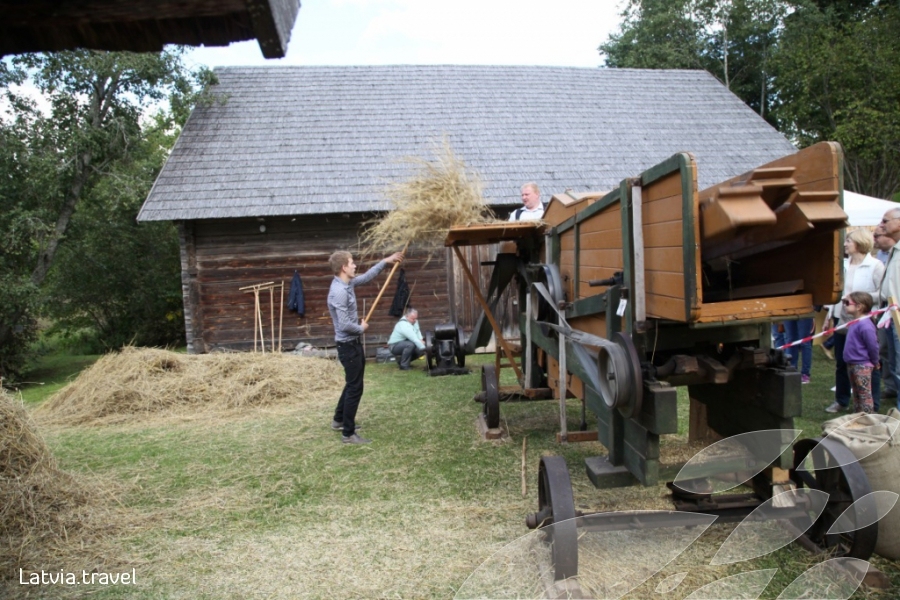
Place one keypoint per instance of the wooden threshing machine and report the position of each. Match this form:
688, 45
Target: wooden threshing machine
657, 284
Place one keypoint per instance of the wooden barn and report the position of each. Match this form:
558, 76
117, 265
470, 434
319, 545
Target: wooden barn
49, 25
290, 162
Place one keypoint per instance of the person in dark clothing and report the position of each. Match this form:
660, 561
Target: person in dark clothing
347, 330
887, 388
401, 296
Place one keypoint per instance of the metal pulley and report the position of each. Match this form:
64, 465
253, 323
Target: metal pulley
621, 383
540, 307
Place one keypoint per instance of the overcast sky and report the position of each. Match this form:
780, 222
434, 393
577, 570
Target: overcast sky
467, 32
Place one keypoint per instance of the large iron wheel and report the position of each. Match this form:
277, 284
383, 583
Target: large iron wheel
429, 350
836, 472
490, 385
460, 347
556, 507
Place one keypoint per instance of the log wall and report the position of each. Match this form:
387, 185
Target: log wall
220, 256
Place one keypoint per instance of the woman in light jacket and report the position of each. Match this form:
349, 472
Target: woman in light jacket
863, 274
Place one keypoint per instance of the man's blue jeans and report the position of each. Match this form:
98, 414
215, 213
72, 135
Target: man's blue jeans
797, 330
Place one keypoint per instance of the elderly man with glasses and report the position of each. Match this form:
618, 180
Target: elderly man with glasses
884, 244
890, 288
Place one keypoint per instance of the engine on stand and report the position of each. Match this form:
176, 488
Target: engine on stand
444, 350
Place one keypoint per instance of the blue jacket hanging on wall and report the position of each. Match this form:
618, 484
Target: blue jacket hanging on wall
295, 297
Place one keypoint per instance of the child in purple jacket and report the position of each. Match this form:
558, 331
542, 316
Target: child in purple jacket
861, 350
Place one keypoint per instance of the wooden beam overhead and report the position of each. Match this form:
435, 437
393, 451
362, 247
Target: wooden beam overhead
147, 26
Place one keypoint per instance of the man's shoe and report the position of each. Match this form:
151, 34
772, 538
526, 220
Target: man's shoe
355, 439
834, 407
337, 426
889, 394
402, 368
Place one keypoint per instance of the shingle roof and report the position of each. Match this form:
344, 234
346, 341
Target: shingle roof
312, 140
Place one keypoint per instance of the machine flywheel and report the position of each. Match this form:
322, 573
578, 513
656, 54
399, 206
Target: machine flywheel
620, 375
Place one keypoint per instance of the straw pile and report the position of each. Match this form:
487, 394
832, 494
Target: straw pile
438, 195
41, 507
148, 381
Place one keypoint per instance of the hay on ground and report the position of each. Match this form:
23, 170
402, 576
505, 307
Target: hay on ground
438, 195
148, 381
43, 510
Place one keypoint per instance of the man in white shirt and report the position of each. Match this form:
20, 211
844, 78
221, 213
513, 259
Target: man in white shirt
532, 209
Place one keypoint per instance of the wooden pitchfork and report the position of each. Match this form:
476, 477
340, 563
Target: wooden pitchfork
384, 287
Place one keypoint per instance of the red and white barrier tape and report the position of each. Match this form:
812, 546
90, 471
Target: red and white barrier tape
882, 323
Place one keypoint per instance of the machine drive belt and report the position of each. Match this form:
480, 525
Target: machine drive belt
582, 337
618, 375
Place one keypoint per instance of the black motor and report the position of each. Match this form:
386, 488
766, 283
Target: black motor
444, 350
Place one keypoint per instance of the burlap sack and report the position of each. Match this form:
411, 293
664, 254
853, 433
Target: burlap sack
862, 435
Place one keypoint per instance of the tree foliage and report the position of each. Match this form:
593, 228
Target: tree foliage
838, 79
731, 39
657, 34
84, 135
18, 231
114, 277
816, 69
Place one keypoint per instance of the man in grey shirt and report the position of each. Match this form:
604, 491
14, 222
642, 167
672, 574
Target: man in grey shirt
887, 388
347, 330
890, 288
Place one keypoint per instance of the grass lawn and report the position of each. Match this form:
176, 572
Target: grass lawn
272, 505
51, 373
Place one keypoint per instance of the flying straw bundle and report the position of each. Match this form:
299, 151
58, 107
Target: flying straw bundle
438, 195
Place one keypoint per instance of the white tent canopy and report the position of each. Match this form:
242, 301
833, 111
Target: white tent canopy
865, 211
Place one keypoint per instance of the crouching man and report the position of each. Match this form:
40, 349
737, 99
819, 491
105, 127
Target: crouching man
406, 341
